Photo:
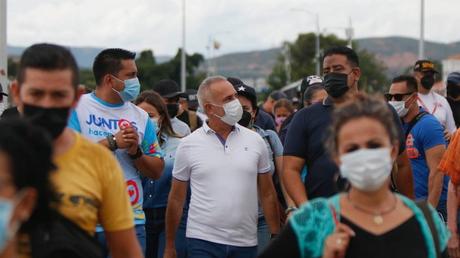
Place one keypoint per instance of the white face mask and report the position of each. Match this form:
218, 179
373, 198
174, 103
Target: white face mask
155, 122
367, 169
400, 107
233, 112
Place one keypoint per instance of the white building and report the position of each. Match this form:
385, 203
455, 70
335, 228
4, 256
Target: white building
449, 65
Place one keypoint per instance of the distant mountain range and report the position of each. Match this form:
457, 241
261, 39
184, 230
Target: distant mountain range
398, 53
84, 55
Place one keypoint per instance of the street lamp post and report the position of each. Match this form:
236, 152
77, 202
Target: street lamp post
183, 81
3, 51
421, 43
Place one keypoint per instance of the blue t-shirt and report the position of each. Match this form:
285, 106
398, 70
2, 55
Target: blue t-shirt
305, 139
426, 134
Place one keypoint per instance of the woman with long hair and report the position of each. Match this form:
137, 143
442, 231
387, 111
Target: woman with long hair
156, 191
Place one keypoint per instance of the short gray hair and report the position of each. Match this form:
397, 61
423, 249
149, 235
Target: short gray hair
204, 94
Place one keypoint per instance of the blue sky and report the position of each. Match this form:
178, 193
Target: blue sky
239, 25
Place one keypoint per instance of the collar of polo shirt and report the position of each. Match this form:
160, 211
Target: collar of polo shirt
208, 129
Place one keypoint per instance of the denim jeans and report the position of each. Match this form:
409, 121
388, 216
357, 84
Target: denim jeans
198, 248
263, 235
140, 234
155, 234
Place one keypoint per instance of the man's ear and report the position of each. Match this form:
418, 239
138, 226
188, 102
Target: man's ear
15, 93
357, 73
80, 91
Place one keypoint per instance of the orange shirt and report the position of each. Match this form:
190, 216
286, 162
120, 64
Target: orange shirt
450, 163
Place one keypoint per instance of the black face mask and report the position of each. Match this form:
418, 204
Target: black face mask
246, 120
53, 120
427, 81
172, 109
336, 84
453, 91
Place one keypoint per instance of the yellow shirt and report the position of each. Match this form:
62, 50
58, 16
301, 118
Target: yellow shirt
91, 188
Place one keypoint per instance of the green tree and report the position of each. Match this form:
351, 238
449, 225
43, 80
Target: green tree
150, 72
302, 62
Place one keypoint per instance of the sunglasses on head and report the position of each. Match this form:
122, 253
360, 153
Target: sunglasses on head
397, 96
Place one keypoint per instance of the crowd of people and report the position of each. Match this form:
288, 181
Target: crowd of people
217, 172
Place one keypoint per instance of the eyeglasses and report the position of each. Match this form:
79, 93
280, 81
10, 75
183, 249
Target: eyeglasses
397, 96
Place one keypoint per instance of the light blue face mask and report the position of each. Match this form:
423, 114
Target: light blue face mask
131, 90
6, 212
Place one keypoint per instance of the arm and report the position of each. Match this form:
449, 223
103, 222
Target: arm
279, 167
124, 244
151, 167
435, 178
291, 179
452, 210
404, 179
174, 210
269, 201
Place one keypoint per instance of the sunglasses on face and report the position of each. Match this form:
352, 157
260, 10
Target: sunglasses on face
397, 96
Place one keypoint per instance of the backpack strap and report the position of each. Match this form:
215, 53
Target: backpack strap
414, 122
423, 206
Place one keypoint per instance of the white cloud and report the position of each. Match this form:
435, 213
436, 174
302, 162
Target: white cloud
238, 24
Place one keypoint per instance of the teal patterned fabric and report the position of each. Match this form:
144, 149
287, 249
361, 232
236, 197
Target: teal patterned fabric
313, 223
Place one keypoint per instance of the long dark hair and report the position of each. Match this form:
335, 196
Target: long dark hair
154, 99
29, 151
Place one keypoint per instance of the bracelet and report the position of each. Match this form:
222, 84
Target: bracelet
112, 142
290, 209
137, 155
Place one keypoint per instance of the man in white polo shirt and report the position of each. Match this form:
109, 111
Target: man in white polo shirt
227, 166
430, 101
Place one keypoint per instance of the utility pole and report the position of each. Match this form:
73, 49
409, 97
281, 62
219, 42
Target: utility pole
183, 72
349, 33
421, 43
318, 57
3, 42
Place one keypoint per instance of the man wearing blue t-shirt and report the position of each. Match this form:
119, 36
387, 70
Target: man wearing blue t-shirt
108, 117
425, 142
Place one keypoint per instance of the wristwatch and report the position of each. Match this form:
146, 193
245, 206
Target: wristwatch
290, 209
137, 155
112, 142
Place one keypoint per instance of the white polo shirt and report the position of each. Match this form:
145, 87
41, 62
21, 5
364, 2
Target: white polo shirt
223, 180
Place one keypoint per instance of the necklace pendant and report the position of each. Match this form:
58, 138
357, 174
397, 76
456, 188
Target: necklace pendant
378, 220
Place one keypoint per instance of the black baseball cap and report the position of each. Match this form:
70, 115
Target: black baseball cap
277, 95
244, 90
168, 89
454, 78
424, 66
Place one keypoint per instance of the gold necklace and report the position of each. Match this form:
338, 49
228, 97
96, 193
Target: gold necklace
377, 216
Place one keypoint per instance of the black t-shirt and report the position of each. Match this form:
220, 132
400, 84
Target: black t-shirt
406, 240
455, 106
265, 121
305, 139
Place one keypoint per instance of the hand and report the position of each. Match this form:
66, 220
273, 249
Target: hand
335, 246
447, 135
169, 253
127, 138
452, 246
